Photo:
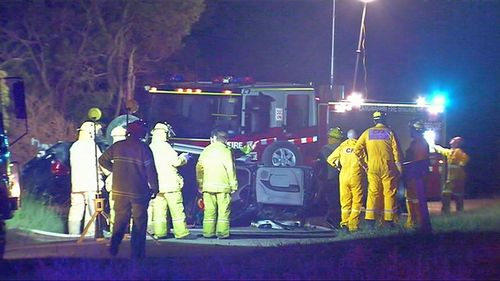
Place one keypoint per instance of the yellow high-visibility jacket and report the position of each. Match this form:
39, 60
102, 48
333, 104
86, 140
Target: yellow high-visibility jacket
456, 159
380, 145
215, 170
343, 156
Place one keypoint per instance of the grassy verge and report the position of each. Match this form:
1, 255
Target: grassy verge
36, 215
480, 220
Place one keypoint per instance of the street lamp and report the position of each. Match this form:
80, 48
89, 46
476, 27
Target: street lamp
333, 45
360, 41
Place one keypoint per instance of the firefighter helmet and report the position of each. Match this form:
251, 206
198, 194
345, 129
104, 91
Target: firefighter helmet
417, 126
162, 131
137, 129
379, 116
335, 133
118, 133
456, 142
87, 130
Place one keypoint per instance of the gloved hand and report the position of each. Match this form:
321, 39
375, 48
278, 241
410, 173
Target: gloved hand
399, 167
186, 156
153, 194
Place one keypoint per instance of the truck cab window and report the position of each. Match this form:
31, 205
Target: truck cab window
297, 112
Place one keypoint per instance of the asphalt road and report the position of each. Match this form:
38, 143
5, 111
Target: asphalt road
26, 244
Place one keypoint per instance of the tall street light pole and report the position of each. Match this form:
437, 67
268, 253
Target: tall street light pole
360, 40
333, 46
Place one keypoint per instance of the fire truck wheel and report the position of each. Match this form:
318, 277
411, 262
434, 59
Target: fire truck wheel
281, 153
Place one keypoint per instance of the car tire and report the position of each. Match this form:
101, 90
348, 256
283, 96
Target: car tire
282, 153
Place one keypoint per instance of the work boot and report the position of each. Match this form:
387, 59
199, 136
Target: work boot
113, 249
343, 229
370, 224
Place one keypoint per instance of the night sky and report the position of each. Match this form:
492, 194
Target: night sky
413, 47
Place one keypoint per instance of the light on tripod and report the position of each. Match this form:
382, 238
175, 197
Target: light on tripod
94, 114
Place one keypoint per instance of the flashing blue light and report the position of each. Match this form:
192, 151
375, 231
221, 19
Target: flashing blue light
439, 99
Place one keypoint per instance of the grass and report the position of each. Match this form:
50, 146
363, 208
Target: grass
462, 246
479, 220
34, 214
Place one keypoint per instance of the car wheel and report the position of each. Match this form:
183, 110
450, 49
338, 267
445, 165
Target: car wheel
283, 154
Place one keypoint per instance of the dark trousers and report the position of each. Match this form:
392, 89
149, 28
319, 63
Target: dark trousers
329, 192
2, 237
124, 208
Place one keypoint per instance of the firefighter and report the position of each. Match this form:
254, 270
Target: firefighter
85, 180
417, 151
135, 182
350, 178
118, 134
383, 166
216, 177
455, 181
328, 178
171, 182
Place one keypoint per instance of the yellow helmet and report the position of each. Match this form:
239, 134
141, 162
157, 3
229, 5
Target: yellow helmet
417, 125
379, 115
335, 133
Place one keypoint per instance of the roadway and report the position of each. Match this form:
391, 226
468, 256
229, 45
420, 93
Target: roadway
25, 244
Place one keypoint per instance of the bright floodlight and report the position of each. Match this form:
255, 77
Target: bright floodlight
421, 101
356, 99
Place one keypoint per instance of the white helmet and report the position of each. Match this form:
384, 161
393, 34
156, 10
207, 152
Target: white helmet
118, 133
162, 132
86, 130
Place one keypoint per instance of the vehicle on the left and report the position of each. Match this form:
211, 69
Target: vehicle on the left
12, 99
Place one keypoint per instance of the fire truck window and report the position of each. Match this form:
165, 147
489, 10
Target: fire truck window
258, 114
297, 112
227, 114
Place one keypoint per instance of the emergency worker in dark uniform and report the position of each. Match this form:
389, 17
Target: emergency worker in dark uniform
135, 182
417, 151
328, 178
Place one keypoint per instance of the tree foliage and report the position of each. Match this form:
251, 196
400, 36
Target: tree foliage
78, 54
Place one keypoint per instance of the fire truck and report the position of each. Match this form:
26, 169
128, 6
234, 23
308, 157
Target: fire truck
287, 121
12, 100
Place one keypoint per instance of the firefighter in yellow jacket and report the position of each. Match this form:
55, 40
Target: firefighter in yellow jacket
351, 173
455, 182
216, 177
170, 181
383, 169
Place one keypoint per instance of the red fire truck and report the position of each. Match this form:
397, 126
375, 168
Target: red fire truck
281, 118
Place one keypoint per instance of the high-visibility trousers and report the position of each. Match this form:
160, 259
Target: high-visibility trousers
351, 196
82, 207
216, 214
382, 189
456, 188
169, 202
412, 205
